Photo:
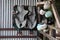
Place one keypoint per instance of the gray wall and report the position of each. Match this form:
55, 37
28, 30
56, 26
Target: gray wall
6, 9
6, 13
6, 17
0, 12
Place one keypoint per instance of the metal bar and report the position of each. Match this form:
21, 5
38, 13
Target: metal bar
55, 28
56, 15
15, 29
48, 36
18, 36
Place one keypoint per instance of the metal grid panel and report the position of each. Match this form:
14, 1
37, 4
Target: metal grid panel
18, 39
14, 33
6, 18
7, 8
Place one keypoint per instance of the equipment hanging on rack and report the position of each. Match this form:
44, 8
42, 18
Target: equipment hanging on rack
42, 12
46, 5
41, 26
31, 18
48, 14
19, 16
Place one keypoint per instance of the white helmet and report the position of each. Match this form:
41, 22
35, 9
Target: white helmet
41, 26
46, 5
48, 14
42, 12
